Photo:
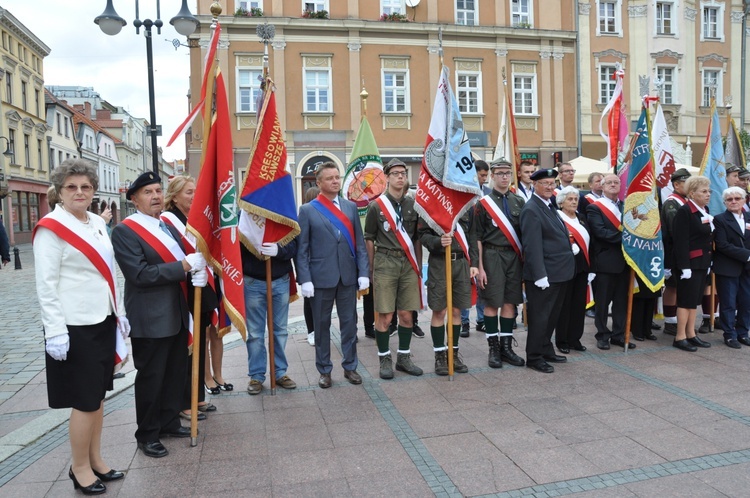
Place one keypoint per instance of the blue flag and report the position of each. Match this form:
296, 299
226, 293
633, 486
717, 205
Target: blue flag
641, 226
712, 165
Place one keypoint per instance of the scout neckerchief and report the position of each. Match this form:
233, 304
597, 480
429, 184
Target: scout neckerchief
610, 211
386, 206
338, 219
502, 222
99, 256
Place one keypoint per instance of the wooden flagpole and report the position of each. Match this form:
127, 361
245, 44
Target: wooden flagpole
628, 318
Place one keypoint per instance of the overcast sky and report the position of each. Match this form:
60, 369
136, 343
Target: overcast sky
115, 66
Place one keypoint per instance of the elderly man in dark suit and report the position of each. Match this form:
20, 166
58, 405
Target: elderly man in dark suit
331, 265
732, 268
154, 264
548, 266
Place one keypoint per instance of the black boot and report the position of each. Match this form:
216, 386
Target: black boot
494, 360
507, 353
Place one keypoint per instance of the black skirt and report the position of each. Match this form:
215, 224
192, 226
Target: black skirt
690, 290
82, 380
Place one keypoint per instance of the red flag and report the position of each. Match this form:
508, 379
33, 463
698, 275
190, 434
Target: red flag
516, 157
213, 216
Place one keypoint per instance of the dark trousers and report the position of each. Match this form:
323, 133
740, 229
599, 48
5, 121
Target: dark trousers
368, 310
569, 329
734, 305
159, 383
641, 316
307, 308
544, 307
345, 297
611, 288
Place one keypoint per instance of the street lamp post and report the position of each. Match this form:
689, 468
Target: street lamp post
184, 23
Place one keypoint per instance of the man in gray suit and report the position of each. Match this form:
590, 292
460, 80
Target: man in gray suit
331, 265
548, 264
155, 268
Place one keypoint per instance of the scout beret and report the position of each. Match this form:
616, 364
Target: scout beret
142, 181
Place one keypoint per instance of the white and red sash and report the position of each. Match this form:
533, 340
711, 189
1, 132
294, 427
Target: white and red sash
503, 223
583, 239
406, 244
591, 197
100, 257
188, 241
461, 239
610, 212
677, 198
165, 246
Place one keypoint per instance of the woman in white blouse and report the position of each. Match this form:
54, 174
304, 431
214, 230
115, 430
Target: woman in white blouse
82, 314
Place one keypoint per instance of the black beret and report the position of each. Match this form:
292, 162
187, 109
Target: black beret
142, 181
392, 164
540, 174
680, 175
731, 168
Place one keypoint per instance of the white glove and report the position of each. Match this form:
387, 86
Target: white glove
269, 249
592, 276
196, 261
57, 347
667, 273
542, 283
364, 283
307, 290
200, 278
575, 248
123, 326
708, 271
686, 274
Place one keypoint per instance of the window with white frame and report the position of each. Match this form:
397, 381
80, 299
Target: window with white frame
392, 7
668, 89
712, 21
316, 6
395, 90
469, 92
521, 12
607, 82
466, 12
317, 90
665, 23
258, 4
524, 94
711, 83
248, 88
608, 16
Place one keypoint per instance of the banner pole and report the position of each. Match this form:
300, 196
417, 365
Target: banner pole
628, 318
269, 319
449, 309
197, 337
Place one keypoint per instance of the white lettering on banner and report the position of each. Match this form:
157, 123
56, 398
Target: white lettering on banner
640, 243
231, 272
208, 213
433, 188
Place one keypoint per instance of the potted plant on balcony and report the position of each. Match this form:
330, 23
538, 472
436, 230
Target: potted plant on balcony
252, 12
393, 17
319, 14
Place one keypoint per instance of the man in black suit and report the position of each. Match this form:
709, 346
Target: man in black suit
154, 264
731, 265
612, 274
548, 265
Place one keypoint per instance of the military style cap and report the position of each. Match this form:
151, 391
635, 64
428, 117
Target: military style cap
142, 181
500, 163
541, 174
731, 168
392, 164
680, 175
744, 173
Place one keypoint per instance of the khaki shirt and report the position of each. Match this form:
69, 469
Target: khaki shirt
379, 230
483, 227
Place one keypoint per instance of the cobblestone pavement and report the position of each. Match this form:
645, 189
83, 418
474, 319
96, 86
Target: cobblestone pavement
653, 422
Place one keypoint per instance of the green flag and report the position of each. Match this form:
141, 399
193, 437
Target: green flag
364, 180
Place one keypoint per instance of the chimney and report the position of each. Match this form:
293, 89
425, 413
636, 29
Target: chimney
103, 114
87, 107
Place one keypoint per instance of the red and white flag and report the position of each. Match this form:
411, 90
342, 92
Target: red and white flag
663, 156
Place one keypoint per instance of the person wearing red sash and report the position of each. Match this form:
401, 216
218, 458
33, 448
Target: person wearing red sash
153, 261
495, 236
569, 328
612, 273
395, 257
669, 208
331, 265
82, 313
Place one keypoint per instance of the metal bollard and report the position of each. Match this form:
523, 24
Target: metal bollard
17, 258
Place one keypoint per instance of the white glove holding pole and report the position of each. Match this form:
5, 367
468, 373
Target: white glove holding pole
364, 283
196, 261
667, 273
307, 289
591, 277
123, 326
542, 283
269, 249
57, 347
575, 248
686, 274
200, 278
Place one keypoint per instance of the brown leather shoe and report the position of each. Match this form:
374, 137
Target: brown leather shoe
325, 381
353, 377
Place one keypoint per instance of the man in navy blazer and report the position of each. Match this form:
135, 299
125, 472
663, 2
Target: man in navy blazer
331, 265
732, 268
548, 265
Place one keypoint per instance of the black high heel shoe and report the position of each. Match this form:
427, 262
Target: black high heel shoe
112, 475
94, 489
224, 387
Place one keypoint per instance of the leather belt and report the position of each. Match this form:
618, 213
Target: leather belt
398, 253
487, 245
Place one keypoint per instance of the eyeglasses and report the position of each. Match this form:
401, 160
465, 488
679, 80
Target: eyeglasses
502, 173
613, 182
567, 171
398, 174
74, 188
733, 199
545, 184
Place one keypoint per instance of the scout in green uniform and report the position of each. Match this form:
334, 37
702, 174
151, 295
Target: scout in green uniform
395, 283
461, 275
500, 275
